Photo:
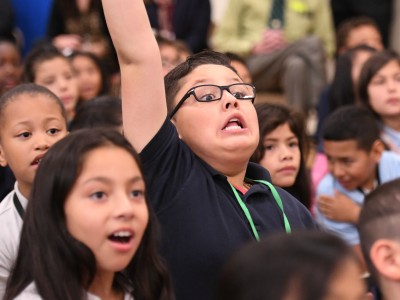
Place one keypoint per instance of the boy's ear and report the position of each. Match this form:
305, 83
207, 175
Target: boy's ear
177, 129
385, 255
377, 150
3, 161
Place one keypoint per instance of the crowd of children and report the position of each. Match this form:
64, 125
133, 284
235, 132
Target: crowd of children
174, 182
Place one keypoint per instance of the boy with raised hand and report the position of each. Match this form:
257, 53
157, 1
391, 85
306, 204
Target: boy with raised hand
357, 163
208, 198
380, 237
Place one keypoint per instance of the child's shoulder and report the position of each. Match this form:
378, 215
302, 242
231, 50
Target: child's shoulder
326, 184
389, 166
6, 203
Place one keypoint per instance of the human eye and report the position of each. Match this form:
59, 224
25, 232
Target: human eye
269, 147
240, 91
98, 195
347, 161
68, 76
137, 194
207, 93
294, 144
378, 81
53, 131
24, 135
48, 81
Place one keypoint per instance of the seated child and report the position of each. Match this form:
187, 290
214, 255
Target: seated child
172, 52
379, 89
48, 67
283, 149
207, 196
358, 30
91, 75
10, 65
380, 237
357, 163
10, 76
88, 226
300, 266
32, 120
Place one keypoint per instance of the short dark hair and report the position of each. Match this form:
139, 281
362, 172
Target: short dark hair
234, 57
348, 25
277, 265
173, 78
39, 54
352, 123
380, 219
271, 116
29, 89
369, 70
104, 111
63, 267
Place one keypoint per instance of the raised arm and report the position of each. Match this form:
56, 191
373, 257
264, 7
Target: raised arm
142, 87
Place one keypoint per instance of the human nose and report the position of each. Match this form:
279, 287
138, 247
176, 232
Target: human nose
123, 206
392, 85
42, 142
285, 153
336, 170
9, 69
63, 84
228, 100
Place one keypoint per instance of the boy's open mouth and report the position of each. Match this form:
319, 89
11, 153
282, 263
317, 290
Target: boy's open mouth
233, 124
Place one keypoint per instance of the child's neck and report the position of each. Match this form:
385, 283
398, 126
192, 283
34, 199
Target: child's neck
238, 180
70, 115
392, 122
24, 189
370, 185
102, 286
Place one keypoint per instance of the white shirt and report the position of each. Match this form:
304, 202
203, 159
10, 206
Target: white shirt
10, 230
30, 293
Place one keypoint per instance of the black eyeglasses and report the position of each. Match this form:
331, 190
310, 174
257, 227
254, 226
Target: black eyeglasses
211, 92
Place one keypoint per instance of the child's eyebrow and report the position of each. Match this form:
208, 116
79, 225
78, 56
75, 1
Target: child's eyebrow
276, 139
48, 119
108, 180
207, 81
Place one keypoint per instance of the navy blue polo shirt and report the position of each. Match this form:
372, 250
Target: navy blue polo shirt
201, 220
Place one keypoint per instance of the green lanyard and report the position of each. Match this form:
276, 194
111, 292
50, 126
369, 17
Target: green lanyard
248, 215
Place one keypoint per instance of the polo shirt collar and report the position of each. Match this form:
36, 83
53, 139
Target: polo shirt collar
253, 171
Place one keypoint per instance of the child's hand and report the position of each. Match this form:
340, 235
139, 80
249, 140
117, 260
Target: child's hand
271, 40
339, 208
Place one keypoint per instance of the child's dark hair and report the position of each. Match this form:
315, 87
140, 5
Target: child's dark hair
105, 85
60, 266
343, 88
370, 69
271, 116
234, 57
39, 54
172, 79
380, 219
29, 89
280, 265
104, 111
352, 123
348, 25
